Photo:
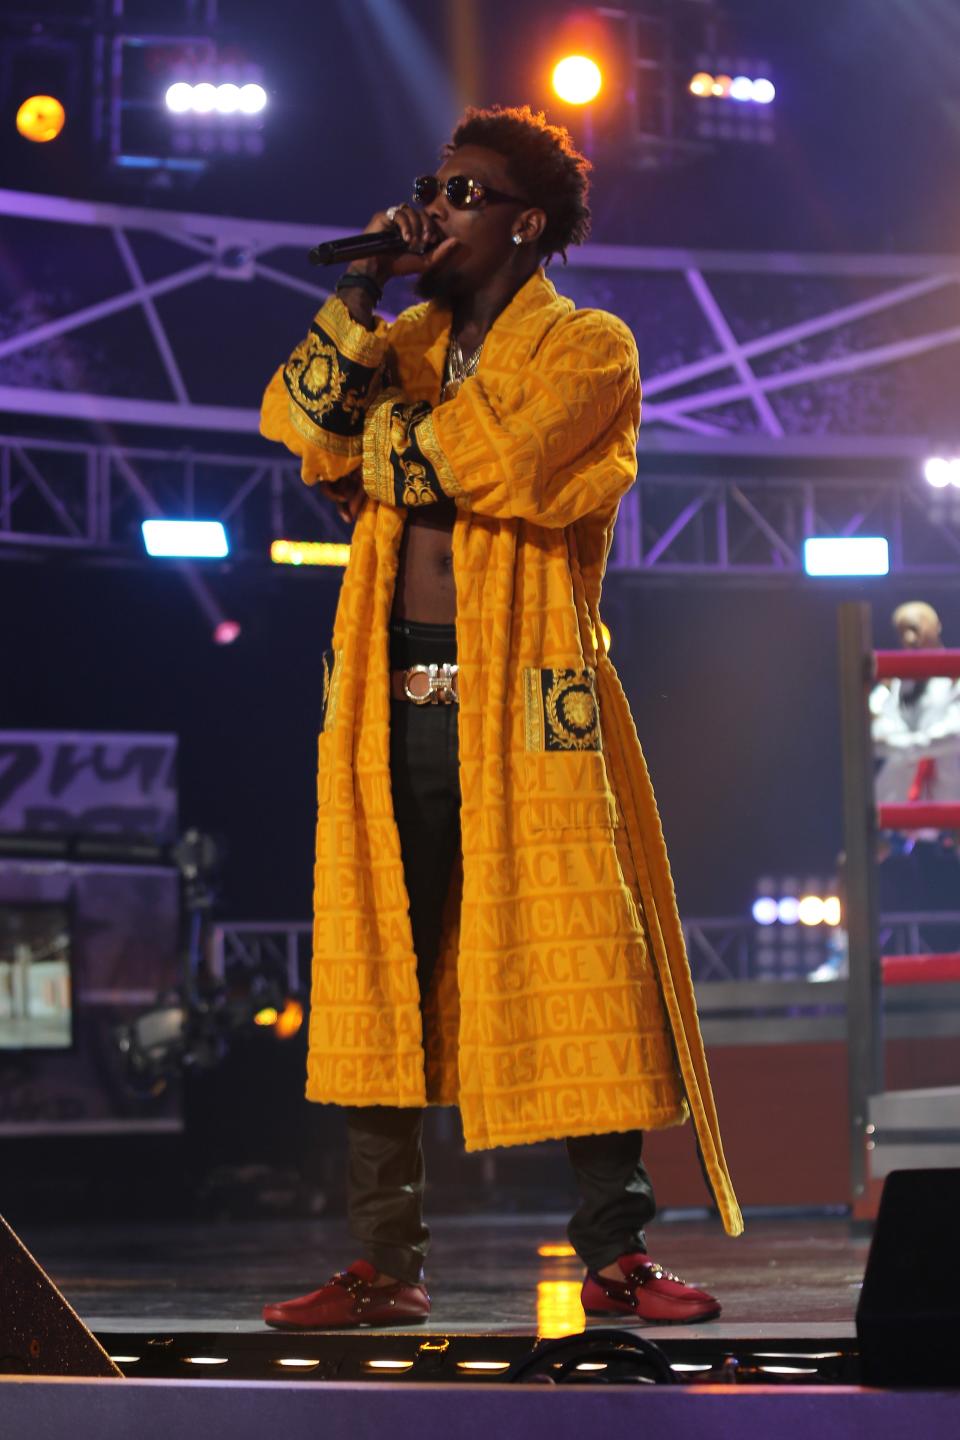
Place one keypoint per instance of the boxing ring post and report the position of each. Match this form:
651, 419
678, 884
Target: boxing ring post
864, 1010
927, 1119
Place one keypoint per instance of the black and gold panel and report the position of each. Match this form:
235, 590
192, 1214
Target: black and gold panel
330, 385
560, 710
396, 471
331, 688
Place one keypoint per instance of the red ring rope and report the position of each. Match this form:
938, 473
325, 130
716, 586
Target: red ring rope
916, 664
919, 815
919, 969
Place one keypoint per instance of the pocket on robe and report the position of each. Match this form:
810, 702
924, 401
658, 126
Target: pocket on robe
565, 776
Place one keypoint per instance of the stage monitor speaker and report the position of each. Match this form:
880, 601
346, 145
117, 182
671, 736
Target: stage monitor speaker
40, 1332
908, 1318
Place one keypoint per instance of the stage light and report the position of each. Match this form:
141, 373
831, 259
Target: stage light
721, 86
204, 98
266, 1017
788, 910
764, 92
559, 1311
226, 632
701, 84
41, 118
831, 910
577, 79
555, 1252
228, 99
253, 98
846, 555
191, 539
179, 97
206, 1360
810, 910
939, 471
765, 910
289, 1020
741, 88
294, 1363
309, 552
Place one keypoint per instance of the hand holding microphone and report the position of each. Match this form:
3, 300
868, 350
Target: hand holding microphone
397, 241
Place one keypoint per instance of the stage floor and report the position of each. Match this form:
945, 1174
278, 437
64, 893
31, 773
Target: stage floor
796, 1278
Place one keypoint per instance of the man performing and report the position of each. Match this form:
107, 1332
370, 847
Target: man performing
495, 922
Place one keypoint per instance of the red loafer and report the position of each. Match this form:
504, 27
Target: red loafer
349, 1300
649, 1293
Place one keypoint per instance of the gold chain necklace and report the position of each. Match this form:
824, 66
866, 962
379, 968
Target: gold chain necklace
457, 369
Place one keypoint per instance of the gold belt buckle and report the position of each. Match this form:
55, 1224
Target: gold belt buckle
441, 689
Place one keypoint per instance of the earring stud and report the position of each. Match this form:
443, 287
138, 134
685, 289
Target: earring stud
517, 239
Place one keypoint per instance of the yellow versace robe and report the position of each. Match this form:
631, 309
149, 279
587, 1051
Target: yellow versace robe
562, 1003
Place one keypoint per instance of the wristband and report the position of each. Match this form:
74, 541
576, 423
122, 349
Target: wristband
361, 282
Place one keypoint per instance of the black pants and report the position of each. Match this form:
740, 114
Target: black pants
386, 1172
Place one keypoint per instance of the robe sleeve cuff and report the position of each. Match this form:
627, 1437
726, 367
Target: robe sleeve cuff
332, 377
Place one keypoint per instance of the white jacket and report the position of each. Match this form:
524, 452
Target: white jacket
907, 731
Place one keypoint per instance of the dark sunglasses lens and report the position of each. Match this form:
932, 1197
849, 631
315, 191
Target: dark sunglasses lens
458, 191
425, 189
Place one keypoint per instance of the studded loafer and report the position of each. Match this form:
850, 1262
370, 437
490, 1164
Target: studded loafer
350, 1299
649, 1293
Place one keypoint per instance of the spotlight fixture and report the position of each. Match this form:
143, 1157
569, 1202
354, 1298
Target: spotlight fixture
577, 79
309, 552
189, 539
941, 471
741, 88
853, 555
41, 118
206, 98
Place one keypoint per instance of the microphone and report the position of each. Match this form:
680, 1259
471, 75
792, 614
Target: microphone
357, 247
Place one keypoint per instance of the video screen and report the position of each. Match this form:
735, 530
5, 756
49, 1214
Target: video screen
36, 1008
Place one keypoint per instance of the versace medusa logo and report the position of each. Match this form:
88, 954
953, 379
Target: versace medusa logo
572, 721
315, 377
560, 710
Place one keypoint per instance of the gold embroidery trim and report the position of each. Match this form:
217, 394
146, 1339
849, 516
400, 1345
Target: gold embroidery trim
430, 447
377, 449
533, 738
350, 445
353, 340
333, 692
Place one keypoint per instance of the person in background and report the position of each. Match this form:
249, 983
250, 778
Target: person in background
915, 727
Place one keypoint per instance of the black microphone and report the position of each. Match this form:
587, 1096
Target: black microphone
357, 247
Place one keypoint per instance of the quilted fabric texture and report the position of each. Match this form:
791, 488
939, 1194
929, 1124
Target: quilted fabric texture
562, 1003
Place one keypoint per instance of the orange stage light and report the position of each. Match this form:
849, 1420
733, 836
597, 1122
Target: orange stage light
41, 118
289, 1020
577, 79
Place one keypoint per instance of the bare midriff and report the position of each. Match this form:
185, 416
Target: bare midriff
425, 589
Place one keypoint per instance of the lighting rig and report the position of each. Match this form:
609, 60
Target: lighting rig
668, 77
165, 95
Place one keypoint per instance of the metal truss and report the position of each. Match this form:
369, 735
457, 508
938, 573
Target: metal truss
685, 525
85, 497
92, 497
682, 413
